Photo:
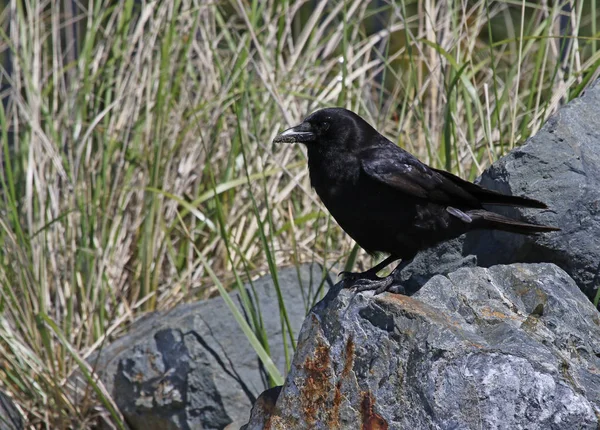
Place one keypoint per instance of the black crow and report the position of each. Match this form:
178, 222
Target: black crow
386, 199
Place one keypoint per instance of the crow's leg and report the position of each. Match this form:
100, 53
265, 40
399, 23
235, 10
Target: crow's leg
398, 289
369, 281
372, 272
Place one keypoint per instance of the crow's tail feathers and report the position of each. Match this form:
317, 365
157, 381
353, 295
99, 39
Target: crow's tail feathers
486, 219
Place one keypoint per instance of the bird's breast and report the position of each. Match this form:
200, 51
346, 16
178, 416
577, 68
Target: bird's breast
331, 175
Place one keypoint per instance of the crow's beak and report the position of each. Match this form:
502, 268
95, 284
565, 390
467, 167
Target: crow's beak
302, 133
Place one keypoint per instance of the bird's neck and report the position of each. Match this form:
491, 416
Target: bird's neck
328, 167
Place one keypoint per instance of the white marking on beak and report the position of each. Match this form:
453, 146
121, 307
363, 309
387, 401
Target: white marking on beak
292, 132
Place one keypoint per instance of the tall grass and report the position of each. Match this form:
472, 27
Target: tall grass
137, 164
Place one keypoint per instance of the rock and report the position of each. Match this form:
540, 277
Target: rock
442, 259
10, 418
263, 409
508, 347
192, 367
560, 166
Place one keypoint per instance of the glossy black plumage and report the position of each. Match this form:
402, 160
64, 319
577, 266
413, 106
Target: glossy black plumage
386, 199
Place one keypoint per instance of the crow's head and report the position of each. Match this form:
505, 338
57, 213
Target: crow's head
330, 127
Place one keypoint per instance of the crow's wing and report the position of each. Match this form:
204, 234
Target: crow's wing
400, 170
492, 197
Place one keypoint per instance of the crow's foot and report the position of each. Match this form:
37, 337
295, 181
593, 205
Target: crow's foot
369, 281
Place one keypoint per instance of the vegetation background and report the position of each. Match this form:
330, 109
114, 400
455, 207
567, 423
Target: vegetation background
137, 165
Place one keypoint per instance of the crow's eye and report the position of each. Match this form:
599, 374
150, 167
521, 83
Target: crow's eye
324, 126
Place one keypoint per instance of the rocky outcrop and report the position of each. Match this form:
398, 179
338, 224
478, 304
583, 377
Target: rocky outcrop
509, 347
192, 367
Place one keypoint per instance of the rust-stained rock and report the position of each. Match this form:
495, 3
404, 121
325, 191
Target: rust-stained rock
371, 420
509, 347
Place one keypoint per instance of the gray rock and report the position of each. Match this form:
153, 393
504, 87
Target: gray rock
192, 367
560, 166
263, 409
509, 347
439, 260
10, 418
